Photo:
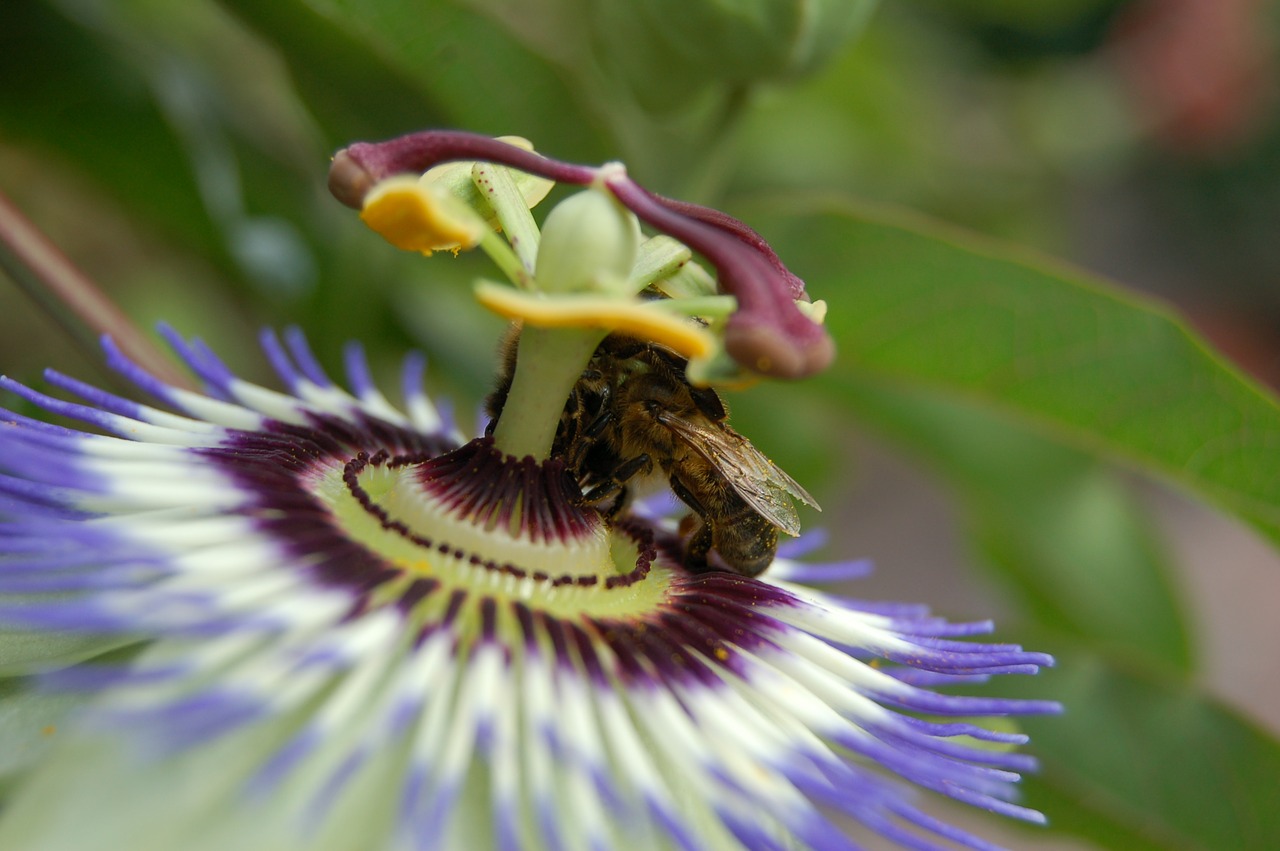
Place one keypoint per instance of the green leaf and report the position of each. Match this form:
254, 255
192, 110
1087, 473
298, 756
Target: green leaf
667, 49
1141, 760
655, 83
354, 90
62, 88
445, 64
1064, 536
762, 40
182, 115
913, 303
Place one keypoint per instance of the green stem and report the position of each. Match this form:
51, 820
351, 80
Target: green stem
513, 214
549, 363
505, 259
710, 306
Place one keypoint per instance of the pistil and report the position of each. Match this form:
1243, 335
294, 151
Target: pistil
548, 365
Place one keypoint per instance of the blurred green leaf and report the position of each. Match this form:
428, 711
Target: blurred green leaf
1025, 32
1066, 539
809, 452
918, 304
189, 119
1141, 760
445, 64
353, 91
655, 82
182, 116
668, 49
68, 92
764, 39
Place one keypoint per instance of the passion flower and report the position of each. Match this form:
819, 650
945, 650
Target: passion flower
347, 625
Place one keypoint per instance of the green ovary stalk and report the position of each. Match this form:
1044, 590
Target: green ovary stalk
549, 363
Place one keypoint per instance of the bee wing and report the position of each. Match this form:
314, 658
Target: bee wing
760, 482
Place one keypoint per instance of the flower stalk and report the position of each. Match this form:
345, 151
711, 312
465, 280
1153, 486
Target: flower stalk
549, 363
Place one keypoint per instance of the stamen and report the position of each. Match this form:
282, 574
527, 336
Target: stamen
414, 217
636, 319
767, 334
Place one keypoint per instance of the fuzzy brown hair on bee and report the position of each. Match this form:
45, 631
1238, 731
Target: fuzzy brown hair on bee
633, 414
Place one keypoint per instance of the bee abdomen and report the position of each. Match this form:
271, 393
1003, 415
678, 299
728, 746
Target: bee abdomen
747, 544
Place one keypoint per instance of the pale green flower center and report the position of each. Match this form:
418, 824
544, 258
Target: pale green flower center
392, 514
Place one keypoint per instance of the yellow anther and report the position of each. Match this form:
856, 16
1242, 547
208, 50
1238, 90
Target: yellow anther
637, 319
418, 217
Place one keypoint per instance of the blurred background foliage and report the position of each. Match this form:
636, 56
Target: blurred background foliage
177, 153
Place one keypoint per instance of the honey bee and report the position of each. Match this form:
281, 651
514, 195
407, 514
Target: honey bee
633, 415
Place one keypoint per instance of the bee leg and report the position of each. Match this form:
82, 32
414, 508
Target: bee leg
581, 443
617, 484
695, 552
616, 506
631, 468
603, 491
596, 426
685, 496
617, 480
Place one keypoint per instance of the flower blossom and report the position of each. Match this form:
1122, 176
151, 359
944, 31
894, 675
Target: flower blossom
335, 623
